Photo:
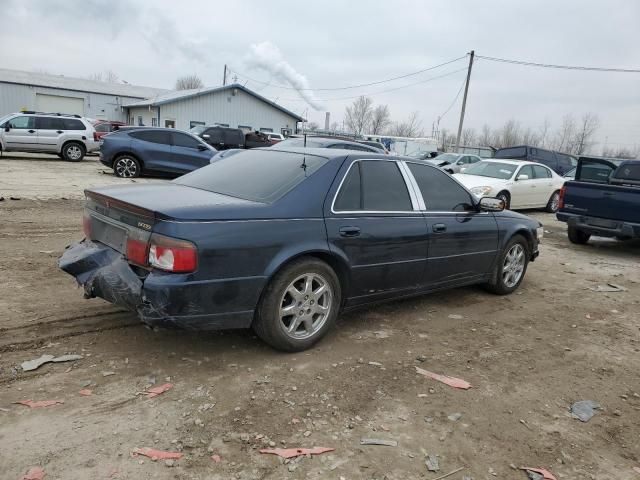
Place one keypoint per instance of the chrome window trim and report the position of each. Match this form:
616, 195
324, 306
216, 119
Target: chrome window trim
364, 212
411, 180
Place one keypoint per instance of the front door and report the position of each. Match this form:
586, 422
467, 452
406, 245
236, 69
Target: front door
462, 241
523, 190
21, 134
375, 225
188, 154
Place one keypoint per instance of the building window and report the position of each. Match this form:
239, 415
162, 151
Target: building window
154, 122
194, 123
170, 124
246, 128
222, 124
266, 129
140, 124
131, 120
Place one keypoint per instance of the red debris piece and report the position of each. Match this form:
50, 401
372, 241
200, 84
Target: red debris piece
546, 474
85, 392
154, 454
34, 473
155, 391
296, 452
216, 458
40, 404
451, 381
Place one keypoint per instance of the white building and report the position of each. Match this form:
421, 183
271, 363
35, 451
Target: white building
56, 93
230, 106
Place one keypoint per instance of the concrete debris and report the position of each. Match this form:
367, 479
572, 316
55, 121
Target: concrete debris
538, 473
454, 417
155, 391
34, 473
40, 404
296, 452
451, 381
378, 441
216, 458
609, 287
85, 392
154, 454
584, 410
455, 316
432, 463
108, 373
38, 362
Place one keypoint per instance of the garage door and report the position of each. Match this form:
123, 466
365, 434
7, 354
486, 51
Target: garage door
59, 104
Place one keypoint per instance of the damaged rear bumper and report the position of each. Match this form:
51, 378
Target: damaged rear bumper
160, 298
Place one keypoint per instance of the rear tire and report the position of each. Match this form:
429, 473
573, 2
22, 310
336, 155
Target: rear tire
299, 305
553, 203
506, 198
126, 166
511, 267
578, 236
73, 151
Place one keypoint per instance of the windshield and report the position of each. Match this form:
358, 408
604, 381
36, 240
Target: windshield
503, 171
448, 157
197, 130
256, 175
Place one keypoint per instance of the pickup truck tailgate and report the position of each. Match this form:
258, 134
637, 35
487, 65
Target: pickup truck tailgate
612, 202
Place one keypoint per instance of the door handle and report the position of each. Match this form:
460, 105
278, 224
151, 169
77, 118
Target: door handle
439, 228
59, 131
349, 231
31, 131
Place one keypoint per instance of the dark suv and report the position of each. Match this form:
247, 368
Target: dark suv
131, 151
221, 138
560, 163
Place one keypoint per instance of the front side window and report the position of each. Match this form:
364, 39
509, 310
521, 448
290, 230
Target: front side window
153, 136
526, 170
21, 123
182, 140
440, 192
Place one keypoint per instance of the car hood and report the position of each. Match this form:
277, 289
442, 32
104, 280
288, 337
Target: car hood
471, 181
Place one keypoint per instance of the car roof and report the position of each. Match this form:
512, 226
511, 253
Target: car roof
329, 152
509, 161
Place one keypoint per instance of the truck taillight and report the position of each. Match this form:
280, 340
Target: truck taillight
561, 199
172, 255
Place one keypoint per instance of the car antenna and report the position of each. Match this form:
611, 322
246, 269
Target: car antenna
305, 140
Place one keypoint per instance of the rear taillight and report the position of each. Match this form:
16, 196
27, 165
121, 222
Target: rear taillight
95, 137
172, 255
86, 225
561, 199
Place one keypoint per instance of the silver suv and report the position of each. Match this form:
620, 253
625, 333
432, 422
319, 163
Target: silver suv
68, 136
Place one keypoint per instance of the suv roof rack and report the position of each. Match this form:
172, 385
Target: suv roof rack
53, 114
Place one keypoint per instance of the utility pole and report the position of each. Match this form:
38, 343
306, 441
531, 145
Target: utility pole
224, 77
464, 101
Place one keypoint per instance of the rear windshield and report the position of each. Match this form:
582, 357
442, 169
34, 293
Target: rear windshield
515, 152
627, 172
596, 171
256, 175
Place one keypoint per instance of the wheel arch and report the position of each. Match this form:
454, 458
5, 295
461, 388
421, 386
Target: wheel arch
129, 153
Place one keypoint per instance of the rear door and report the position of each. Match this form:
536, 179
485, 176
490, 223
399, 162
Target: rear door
49, 130
188, 154
20, 133
462, 241
374, 222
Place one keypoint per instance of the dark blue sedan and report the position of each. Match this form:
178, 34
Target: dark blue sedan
282, 240
133, 151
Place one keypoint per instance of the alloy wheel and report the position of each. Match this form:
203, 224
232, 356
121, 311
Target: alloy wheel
74, 152
126, 168
305, 306
513, 266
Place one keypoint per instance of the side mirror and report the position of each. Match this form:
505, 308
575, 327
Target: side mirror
523, 177
463, 169
491, 204
459, 162
7, 127
206, 136
202, 148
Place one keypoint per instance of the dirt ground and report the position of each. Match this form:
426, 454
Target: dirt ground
529, 356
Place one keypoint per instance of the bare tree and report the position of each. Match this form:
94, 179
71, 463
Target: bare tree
446, 139
485, 138
108, 76
412, 127
544, 132
565, 135
335, 126
624, 153
312, 126
380, 119
358, 115
587, 127
529, 137
189, 82
468, 137
510, 134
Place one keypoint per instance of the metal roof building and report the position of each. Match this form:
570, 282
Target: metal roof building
231, 105
56, 93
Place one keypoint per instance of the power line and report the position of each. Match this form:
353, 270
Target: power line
352, 86
455, 99
562, 67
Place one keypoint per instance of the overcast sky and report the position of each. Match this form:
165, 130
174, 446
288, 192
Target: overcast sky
337, 43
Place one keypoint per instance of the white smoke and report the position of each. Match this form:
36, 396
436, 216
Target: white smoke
266, 56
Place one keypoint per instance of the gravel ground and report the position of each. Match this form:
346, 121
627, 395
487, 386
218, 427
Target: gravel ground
529, 356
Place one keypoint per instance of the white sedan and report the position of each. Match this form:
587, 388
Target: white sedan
519, 184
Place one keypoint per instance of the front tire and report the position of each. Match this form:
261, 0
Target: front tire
73, 151
511, 267
506, 198
578, 236
299, 306
126, 166
553, 203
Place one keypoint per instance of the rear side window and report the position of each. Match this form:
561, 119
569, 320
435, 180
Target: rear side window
545, 157
257, 175
215, 135
440, 192
73, 124
184, 140
383, 187
350, 196
48, 123
627, 172
153, 136
541, 172
233, 137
